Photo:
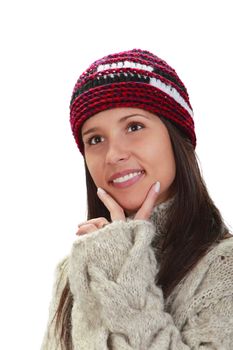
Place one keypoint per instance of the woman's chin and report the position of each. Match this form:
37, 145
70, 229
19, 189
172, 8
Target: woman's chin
130, 205
131, 209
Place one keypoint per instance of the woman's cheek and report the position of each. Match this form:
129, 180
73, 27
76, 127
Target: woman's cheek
96, 172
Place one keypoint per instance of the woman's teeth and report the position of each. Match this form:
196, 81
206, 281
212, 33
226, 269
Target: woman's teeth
126, 177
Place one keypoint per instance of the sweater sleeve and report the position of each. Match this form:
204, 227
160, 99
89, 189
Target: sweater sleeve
117, 304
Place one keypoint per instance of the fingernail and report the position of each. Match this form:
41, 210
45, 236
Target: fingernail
100, 190
157, 187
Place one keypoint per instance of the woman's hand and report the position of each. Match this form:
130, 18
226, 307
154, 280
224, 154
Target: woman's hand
117, 213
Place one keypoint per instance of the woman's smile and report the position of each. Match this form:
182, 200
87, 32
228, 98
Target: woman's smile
127, 178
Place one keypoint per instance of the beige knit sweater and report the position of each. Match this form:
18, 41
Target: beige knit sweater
118, 306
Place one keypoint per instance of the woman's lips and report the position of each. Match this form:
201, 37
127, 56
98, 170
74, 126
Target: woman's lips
127, 182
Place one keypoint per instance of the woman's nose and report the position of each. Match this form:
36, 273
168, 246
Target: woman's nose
117, 152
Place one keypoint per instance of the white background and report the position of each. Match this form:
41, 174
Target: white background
44, 47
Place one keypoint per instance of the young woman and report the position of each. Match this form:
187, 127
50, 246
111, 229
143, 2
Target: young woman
152, 265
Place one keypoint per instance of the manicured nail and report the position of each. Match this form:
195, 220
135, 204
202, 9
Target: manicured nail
100, 190
157, 187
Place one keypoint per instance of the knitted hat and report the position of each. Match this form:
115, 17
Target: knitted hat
136, 79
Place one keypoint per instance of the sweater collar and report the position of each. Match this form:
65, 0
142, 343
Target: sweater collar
159, 215
158, 219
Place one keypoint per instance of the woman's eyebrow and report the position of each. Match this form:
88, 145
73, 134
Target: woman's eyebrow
94, 129
89, 131
133, 115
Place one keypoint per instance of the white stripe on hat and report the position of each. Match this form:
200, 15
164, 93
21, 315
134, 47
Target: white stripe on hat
124, 64
171, 91
168, 89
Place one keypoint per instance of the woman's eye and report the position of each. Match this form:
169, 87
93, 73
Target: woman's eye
94, 140
135, 127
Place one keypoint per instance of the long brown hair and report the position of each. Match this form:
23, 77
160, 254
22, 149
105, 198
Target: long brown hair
193, 225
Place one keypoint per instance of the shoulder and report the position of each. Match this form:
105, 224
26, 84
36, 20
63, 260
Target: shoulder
220, 261
216, 265
62, 265
213, 272
220, 251
61, 275
208, 283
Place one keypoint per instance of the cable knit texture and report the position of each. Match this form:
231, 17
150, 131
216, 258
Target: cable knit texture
118, 306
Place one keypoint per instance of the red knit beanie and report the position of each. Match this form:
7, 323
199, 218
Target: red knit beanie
136, 79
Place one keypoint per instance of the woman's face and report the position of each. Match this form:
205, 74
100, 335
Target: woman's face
126, 151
